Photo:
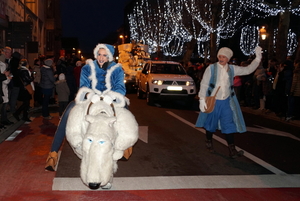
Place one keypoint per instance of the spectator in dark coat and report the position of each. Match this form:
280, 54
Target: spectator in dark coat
47, 86
15, 83
24, 96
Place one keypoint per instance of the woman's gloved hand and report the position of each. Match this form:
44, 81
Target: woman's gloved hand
202, 105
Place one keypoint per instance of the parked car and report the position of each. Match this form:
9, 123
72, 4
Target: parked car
165, 80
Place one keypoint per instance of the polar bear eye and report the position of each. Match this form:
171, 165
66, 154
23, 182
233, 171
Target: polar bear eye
90, 140
101, 142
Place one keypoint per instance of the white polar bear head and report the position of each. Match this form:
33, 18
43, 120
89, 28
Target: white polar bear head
97, 165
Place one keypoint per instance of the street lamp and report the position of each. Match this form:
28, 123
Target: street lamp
263, 33
122, 37
79, 54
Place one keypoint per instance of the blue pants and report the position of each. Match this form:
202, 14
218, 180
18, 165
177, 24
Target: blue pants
61, 129
223, 114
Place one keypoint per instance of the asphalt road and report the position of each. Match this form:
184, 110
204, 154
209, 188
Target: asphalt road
170, 145
173, 137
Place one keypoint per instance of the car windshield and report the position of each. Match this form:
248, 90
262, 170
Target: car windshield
167, 69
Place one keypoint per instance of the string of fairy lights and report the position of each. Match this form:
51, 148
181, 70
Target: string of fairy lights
249, 39
166, 25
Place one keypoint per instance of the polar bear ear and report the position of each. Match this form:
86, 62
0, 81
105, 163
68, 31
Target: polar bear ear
95, 98
111, 121
90, 118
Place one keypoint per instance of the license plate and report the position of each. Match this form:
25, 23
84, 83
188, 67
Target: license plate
174, 88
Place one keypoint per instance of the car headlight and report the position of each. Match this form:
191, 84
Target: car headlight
189, 83
157, 82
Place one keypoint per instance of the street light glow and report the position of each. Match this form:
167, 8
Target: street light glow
263, 33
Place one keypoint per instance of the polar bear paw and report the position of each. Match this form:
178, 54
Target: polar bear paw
107, 186
117, 155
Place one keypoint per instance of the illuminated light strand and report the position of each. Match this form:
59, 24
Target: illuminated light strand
249, 39
292, 43
201, 50
174, 48
167, 16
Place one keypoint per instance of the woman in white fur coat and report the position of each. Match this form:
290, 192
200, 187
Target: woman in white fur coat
100, 75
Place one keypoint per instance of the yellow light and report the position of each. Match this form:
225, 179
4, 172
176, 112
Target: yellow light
122, 37
158, 82
263, 33
189, 83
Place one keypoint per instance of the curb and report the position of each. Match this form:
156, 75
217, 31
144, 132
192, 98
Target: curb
270, 115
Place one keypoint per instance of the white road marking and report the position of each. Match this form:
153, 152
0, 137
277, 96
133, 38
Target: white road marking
246, 154
13, 135
270, 131
184, 182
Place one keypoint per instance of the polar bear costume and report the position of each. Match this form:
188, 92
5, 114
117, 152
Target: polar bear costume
99, 129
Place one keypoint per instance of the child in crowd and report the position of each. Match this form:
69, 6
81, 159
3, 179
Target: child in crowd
63, 93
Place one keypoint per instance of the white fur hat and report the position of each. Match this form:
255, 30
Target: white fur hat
109, 49
61, 76
225, 51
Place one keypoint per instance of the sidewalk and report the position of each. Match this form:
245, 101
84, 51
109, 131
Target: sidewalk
270, 115
10, 129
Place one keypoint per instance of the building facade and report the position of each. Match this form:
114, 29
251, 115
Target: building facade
31, 27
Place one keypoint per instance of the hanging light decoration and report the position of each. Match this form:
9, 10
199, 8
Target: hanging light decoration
292, 43
249, 39
159, 23
202, 50
174, 48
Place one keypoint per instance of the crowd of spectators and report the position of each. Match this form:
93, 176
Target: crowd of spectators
13, 85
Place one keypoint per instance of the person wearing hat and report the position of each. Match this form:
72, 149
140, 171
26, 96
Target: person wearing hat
101, 74
47, 84
63, 93
226, 116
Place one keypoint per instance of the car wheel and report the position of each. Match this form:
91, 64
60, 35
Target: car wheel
190, 102
150, 98
140, 93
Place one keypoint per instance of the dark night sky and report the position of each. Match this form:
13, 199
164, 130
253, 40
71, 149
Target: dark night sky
91, 20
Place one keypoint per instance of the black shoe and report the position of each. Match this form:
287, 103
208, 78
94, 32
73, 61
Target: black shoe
2, 126
123, 159
209, 146
16, 116
7, 122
